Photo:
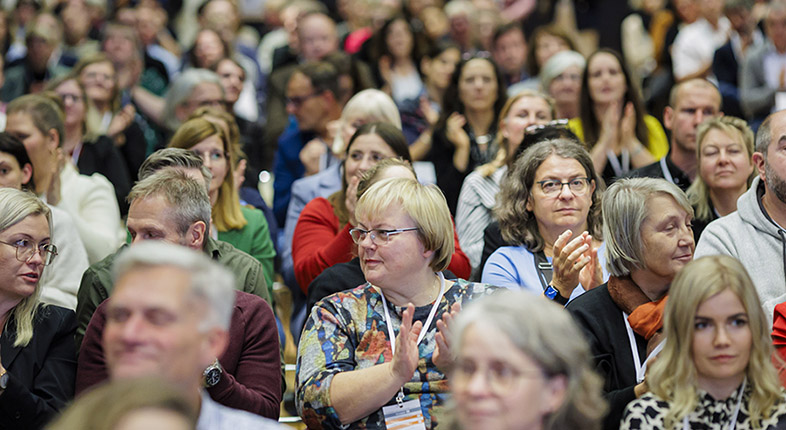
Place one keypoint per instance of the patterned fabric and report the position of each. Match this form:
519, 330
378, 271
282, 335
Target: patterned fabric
649, 411
347, 331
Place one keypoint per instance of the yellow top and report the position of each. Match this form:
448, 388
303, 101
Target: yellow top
659, 144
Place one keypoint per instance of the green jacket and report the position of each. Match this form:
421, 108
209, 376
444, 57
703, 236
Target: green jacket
97, 282
254, 239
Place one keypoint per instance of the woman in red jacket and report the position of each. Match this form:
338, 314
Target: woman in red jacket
321, 236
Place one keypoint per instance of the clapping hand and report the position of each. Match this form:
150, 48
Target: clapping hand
405, 360
570, 259
443, 357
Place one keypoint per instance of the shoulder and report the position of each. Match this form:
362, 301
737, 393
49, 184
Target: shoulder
219, 417
58, 317
318, 204
652, 170
595, 302
229, 255
648, 409
253, 215
463, 289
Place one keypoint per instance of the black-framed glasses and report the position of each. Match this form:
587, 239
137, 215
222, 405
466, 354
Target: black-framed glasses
552, 187
378, 236
298, 101
557, 123
25, 250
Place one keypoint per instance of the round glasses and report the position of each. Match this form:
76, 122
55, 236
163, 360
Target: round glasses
25, 250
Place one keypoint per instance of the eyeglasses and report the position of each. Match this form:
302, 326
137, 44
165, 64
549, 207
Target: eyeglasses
298, 101
552, 187
500, 377
378, 236
557, 123
25, 250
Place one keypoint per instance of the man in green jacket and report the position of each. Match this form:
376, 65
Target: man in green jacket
173, 206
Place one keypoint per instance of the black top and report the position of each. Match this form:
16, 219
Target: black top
655, 170
604, 327
42, 374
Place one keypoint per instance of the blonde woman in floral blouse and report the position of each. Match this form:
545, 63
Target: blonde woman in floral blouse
715, 369
383, 343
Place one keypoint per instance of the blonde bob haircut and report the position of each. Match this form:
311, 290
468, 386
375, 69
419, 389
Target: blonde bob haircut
425, 204
226, 212
673, 376
738, 130
624, 211
15, 206
547, 334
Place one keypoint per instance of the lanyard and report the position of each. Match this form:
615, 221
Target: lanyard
733, 423
634, 349
426, 325
615, 164
665, 169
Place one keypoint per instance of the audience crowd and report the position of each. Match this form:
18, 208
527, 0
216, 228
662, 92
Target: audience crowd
458, 214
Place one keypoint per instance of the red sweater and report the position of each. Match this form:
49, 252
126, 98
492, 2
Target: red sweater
252, 378
318, 244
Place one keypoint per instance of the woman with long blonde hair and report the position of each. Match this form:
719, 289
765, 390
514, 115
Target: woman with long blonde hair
715, 369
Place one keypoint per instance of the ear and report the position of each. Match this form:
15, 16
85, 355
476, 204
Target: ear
502, 129
195, 236
528, 205
27, 173
425, 64
54, 140
554, 394
758, 161
180, 113
668, 117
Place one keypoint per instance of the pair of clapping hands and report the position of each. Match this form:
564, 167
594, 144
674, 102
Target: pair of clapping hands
575, 261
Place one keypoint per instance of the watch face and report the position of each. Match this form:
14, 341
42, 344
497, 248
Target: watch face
4, 381
212, 377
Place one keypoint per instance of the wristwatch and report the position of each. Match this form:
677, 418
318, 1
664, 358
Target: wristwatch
4, 377
213, 374
553, 294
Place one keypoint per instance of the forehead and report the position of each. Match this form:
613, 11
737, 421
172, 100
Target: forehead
555, 165
205, 90
529, 102
154, 209
698, 95
477, 66
152, 287
603, 59
299, 81
9, 160
19, 121
104, 67
68, 85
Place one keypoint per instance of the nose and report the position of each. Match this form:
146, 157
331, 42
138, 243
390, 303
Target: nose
365, 164
36, 258
723, 156
291, 108
698, 118
478, 384
721, 338
565, 193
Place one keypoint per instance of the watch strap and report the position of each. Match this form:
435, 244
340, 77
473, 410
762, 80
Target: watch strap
553, 294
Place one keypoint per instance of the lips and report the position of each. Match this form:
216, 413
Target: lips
723, 358
684, 258
30, 276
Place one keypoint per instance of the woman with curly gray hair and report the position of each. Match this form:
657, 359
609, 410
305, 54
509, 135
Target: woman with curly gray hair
523, 364
549, 205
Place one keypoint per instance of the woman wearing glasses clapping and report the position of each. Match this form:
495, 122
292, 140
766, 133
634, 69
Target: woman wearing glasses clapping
379, 353
37, 351
550, 206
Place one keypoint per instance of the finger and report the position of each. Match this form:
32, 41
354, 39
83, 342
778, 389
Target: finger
442, 344
578, 253
561, 241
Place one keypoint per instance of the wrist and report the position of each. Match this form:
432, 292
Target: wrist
555, 294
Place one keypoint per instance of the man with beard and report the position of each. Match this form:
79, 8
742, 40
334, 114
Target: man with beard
755, 234
690, 103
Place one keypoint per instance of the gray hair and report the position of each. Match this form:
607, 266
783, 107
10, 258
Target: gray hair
764, 134
181, 90
374, 105
624, 211
210, 283
557, 64
16, 205
549, 336
187, 197
174, 157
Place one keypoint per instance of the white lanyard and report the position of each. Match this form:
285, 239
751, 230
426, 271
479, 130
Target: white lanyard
733, 423
634, 349
426, 325
665, 169
615, 164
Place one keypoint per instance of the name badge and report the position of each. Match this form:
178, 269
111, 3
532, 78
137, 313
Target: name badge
404, 416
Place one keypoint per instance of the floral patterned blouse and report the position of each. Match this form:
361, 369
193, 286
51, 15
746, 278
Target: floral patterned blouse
649, 411
347, 331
